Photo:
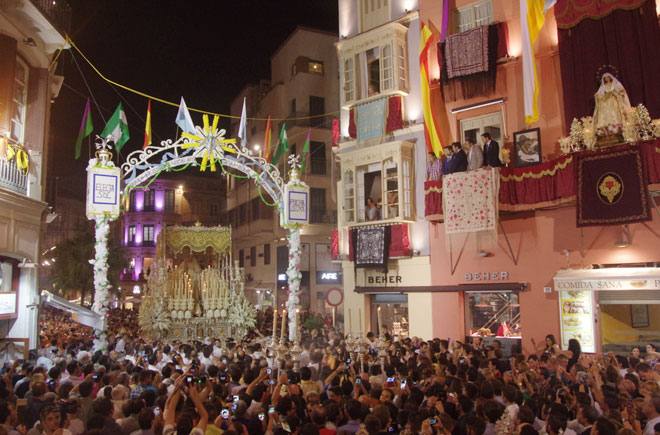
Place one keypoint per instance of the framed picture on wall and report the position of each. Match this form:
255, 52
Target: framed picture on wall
527, 147
639, 316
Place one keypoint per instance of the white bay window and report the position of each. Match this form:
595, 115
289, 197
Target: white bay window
378, 185
374, 64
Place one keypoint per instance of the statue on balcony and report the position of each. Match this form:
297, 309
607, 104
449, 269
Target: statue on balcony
612, 107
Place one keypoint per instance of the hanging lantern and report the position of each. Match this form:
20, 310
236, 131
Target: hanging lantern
103, 184
296, 199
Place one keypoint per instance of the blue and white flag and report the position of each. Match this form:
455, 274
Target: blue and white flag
183, 119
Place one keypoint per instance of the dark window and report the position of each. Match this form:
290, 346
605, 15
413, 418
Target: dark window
131, 234
241, 258
148, 234
169, 200
317, 158
267, 253
253, 256
282, 260
242, 214
292, 106
149, 196
317, 205
214, 209
316, 109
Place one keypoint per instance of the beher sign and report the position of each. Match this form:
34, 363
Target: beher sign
383, 279
486, 276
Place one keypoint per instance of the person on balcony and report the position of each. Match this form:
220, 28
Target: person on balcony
475, 155
448, 154
373, 214
459, 161
491, 151
433, 167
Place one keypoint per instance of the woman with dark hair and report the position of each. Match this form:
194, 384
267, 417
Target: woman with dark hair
551, 346
575, 350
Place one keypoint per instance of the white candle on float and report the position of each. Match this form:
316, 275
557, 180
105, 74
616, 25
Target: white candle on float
274, 322
334, 316
350, 322
379, 320
360, 321
283, 324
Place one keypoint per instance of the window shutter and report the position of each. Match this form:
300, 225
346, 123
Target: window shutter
7, 71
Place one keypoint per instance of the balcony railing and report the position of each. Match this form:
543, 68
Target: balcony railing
58, 12
11, 178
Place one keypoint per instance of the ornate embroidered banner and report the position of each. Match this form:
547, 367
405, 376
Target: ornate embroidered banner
372, 246
470, 201
611, 187
467, 52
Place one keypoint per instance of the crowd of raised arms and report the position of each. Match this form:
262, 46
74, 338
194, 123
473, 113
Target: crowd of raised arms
414, 387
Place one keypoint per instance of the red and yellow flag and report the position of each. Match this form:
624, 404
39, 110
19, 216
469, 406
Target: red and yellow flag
431, 130
147, 127
267, 138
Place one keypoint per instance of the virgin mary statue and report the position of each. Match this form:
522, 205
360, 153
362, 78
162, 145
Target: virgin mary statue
612, 104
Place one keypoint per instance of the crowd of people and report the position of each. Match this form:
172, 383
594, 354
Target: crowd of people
398, 385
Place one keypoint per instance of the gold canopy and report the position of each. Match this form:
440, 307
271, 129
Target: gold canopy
197, 238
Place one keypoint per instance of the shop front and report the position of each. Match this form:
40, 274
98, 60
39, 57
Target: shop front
396, 301
609, 309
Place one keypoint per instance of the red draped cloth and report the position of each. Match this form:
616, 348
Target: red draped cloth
352, 127
545, 184
433, 200
569, 13
334, 247
394, 114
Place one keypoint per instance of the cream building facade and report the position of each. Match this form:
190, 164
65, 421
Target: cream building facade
383, 162
301, 93
31, 33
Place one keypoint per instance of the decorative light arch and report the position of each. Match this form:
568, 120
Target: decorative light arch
206, 148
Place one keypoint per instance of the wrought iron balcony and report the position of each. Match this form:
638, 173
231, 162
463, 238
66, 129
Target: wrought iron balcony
11, 178
58, 12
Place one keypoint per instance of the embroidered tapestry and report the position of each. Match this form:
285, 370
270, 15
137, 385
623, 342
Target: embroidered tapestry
466, 53
372, 246
612, 187
469, 201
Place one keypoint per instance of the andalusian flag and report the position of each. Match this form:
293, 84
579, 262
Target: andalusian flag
431, 130
117, 128
147, 127
305, 152
282, 146
267, 139
86, 128
532, 14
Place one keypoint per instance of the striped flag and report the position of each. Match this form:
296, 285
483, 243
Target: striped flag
532, 13
268, 133
282, 147
86, 128
242, 126
117, 128
305, 152
431, 131
147, 127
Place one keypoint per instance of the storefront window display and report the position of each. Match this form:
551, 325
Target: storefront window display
492, 314
393, 313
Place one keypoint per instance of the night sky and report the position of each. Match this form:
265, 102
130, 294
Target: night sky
203, 50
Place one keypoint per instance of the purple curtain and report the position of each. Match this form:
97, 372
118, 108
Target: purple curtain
629, 40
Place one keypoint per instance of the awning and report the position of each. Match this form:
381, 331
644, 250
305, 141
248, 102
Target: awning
608, 279
486, 286
79, 314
